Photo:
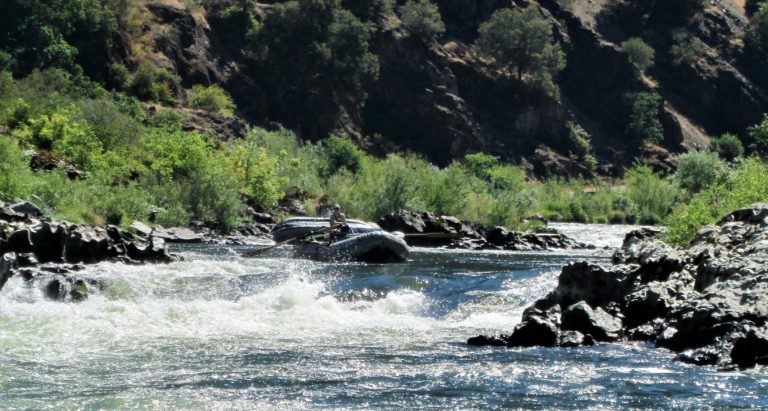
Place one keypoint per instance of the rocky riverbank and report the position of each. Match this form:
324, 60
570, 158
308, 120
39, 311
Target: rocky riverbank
709, 302
51, 252
429, 230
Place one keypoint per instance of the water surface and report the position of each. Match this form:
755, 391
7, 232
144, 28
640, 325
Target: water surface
218, 331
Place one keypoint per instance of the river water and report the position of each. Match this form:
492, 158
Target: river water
218, 331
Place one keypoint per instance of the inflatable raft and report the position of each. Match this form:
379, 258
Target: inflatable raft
301, 226
371, 247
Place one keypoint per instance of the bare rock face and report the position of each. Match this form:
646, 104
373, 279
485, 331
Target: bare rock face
709, 302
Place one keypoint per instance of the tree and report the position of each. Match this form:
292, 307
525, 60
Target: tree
422, 18
728, 146
759, 27
639, 53
520, 44
643, 124
315, 59
698, 170
758, 138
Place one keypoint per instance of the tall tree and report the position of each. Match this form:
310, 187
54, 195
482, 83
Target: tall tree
520, 44
315, 58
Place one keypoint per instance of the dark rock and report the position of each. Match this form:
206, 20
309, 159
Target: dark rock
583, 281
55, 290
26, 259
48, 241
177, 235
88, 245
20, 241
7, 266
701, 356
649, 331
650, 301
483, 340
570, 339
750, 349
597, 323
28, 209
535, 331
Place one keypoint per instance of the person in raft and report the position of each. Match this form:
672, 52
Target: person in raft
338, 223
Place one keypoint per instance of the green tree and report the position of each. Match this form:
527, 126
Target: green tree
316, 61
643, 124
728, 146
759, 27
341, 152
686, 49
639, 53
520, 44
422, 18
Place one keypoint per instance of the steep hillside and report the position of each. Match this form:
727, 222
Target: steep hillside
389, 88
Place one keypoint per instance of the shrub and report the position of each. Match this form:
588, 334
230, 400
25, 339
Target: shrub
341, 152
14, 169
152, 83
479, 163
643, 124
119, 77
757, 136
520, 44
698, 170
744, 187
652, 196
639, 53
174, 154
213, 99
728, 146
257, 171
17, 114
686, 49
422, 18
111, 126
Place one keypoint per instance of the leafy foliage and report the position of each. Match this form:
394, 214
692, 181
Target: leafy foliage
639, 53
327, 66
341, 152
685, 49
652, 195
213, 99
759, 27
643, 124
422, 18
520, 44
744, 187
728, 146
698, 170
757, 137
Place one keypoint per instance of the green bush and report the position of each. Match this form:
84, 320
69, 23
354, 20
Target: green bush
153, 83
643, 124
698, 170
757, 136
759, 27
213, 99
119, 77
14, 170
258, 172
111, 125
422, 18
728, 146
341, 152
639, 53
652, 195
174, 154
521, 45
744, 187
686, 49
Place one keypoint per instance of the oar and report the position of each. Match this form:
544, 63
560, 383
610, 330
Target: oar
272, 247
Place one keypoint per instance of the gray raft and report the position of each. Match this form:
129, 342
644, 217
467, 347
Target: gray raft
301, 226
371, 247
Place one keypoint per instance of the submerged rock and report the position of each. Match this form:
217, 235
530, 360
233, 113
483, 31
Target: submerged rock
709, 302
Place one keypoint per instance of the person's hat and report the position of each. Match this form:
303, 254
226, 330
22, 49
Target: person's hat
335, 206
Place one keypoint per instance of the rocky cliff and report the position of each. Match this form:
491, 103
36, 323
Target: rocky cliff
438, 98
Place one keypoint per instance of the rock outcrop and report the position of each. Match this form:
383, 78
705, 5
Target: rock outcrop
429, 230
29, 241
709, 303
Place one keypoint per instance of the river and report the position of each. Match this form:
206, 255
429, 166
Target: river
218, 331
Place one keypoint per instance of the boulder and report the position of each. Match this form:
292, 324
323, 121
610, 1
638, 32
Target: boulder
535, 331
750, 349
177, 235
482, 340
27, 209
570, 339
597, 323
7, 265
584, 281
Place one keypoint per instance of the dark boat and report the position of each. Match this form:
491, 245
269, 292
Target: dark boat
301, 226
371, 247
